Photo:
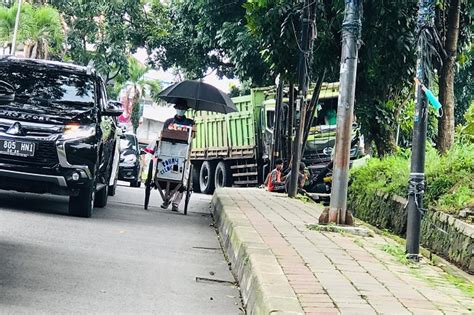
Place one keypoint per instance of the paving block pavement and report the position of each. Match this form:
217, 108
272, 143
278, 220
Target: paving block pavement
284, 267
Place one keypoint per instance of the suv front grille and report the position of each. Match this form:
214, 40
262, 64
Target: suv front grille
45, 155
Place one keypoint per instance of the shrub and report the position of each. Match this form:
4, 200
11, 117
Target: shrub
449, 178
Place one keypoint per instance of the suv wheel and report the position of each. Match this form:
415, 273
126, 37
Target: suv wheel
113, 188
136, 184
102, 197
82, 205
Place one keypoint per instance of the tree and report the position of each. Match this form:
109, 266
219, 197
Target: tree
43, 31
135, 88
196, 36
102, 31
464, 85
40, 29
450, 19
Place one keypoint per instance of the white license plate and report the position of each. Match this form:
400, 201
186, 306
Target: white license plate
17, 148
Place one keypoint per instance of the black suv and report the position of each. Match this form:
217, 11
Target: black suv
130, 160
57, 132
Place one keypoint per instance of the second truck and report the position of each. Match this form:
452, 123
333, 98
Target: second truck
234, 149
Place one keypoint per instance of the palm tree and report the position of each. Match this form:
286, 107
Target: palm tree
40, 29
43, 31
7, 25
135, 89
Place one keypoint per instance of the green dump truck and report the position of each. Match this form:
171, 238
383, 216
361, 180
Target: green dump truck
233, 150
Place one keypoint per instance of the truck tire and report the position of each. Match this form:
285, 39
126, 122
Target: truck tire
82, 205
195, 178
101, 197
223, 175
206, 178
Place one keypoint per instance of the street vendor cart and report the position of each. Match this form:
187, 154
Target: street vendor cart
172, 170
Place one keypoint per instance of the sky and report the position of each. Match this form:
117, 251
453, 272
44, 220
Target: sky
167, 76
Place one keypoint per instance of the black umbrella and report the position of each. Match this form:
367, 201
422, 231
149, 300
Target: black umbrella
199, 96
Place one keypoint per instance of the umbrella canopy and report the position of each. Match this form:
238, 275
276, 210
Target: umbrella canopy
199, 96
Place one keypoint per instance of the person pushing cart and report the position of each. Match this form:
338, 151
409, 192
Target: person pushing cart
171, 174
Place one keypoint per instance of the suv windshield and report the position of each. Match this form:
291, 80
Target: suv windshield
128, 142
48, 85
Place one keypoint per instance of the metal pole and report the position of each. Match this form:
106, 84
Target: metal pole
15, 31
351, 29
307, 36
291, 122
416, 184
312, 107
277, 124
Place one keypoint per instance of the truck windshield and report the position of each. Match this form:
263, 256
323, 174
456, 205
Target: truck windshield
47, 85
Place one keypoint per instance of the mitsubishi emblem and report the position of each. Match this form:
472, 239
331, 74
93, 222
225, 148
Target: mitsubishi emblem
16, 130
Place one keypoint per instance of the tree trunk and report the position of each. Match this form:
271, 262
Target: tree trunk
446, 80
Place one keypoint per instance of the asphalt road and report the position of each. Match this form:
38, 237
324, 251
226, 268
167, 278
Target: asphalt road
122, 260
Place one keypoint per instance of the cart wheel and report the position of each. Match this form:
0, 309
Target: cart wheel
148, 184
189, 190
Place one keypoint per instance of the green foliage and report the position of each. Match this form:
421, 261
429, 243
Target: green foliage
464, 85
406, 121
449, 178
196, 36
137, 114
40, 29
42, 32
466, 132
102, 31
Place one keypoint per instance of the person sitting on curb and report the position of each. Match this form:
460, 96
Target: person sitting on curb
275, 182
302, 177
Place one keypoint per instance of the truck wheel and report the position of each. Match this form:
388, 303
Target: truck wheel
223, 176
102, 197
206, 178
82, 205
195, 177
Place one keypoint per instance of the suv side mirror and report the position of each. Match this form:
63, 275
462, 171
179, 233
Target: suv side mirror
7, 92
113, 108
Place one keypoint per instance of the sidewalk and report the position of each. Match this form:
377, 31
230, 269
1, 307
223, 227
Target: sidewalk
284, 267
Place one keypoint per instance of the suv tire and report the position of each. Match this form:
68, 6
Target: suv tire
206, 177
223, 177
82, 205
136, 184
113, 188
101, 197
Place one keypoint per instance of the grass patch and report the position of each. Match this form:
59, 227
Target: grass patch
397, 252
304, 198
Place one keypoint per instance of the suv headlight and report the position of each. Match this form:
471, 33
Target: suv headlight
76, 131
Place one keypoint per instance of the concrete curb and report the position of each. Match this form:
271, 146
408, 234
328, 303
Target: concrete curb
264, 286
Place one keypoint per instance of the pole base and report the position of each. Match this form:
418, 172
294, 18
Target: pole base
413, 257
329, 216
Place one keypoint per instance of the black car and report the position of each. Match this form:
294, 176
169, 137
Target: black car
57, 132
130, 166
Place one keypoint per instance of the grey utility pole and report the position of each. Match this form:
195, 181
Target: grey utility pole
416, 184
15, 30
351, 29
308, 35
